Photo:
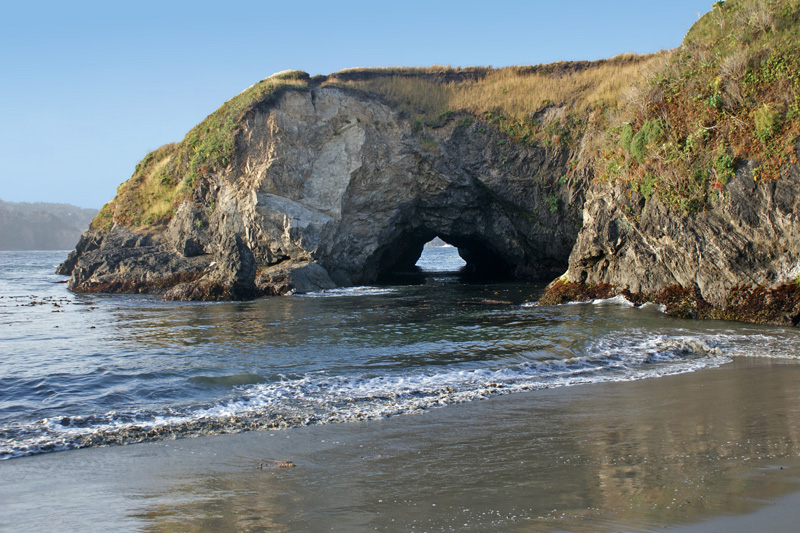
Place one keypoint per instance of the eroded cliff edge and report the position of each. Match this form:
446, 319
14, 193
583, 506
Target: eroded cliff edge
737, 260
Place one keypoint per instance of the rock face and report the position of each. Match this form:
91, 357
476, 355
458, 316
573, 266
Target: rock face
331, 187
740, 259
125, 261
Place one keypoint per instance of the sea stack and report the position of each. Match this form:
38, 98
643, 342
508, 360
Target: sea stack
669, 178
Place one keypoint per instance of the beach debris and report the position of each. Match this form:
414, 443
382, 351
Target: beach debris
276, 464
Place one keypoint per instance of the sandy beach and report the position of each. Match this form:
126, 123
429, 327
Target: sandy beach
715, 450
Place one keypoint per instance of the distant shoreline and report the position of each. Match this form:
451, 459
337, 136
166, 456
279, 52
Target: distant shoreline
42, 226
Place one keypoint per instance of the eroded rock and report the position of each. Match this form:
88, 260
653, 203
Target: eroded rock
333, 187
738, 260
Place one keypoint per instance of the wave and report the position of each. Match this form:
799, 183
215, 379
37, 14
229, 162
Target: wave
227, 381
619, 300
348, 291
318, 398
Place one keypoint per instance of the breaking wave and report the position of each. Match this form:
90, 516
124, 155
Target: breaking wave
318, 398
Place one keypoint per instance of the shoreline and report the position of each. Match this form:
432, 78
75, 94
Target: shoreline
691, 452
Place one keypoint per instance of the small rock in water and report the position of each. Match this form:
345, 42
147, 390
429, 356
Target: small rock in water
276, 464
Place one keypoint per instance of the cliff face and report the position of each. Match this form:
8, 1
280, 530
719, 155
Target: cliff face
330, 187
749, 236
738, 260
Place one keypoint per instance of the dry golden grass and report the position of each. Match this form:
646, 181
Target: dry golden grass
515, 92
148, 197
517, 95
158, 191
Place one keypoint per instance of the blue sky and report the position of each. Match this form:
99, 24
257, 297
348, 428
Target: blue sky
88, 88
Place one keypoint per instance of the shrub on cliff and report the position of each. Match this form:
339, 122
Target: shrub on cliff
170, 173
730, 93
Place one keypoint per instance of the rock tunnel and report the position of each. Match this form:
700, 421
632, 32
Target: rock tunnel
495, 237
481, 260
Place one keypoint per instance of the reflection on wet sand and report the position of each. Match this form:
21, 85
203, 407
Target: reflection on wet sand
627, 455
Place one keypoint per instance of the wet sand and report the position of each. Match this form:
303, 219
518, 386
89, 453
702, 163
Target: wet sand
716, 450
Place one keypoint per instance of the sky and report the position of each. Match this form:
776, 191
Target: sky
89, 88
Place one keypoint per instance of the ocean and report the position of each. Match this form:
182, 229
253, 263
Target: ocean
86, 370
90, 370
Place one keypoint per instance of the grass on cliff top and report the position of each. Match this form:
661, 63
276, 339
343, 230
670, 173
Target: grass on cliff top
530, 104
674, 124
169, 174
729, 94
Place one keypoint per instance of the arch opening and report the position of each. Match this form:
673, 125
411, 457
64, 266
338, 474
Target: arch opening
439, 258
481, 262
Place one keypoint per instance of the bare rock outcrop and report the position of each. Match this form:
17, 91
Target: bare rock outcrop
740, 259
329, 187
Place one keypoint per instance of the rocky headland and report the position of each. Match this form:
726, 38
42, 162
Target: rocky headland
670, 178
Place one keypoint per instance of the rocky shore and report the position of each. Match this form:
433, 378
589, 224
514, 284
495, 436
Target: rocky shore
676, 184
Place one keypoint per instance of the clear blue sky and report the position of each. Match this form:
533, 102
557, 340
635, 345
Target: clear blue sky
88, 88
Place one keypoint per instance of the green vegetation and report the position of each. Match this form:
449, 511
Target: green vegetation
767, 122
170, 173
645, 139
673, 125
730, 93
147, 198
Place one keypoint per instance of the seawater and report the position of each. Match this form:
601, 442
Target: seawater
85, 370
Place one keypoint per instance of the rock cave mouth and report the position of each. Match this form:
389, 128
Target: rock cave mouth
482, 264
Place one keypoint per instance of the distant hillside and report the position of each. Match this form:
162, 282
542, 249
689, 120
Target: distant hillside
42, 226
